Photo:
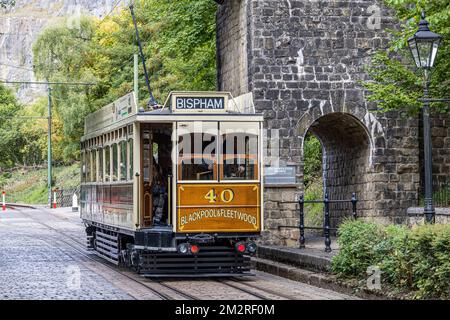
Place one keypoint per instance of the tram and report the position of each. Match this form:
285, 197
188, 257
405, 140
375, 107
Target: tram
174, 191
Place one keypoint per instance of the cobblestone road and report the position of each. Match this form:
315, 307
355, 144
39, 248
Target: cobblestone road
42, 257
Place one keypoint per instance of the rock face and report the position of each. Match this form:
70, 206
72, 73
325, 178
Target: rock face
302, 59
20, 26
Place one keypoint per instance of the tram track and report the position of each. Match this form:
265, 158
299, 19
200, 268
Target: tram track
269, 291
257, 295
250, 289
146, 282
79, 248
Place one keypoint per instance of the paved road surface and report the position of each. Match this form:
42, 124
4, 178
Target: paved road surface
42, 257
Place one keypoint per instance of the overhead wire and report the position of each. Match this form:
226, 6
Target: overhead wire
109, 13
17, 67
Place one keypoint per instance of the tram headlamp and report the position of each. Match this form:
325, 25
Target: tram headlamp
251, 247
184, 248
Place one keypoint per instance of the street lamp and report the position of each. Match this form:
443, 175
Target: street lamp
424, 46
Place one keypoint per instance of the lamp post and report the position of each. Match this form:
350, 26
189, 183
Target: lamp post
424, 46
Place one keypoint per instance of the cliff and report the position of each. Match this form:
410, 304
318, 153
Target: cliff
21, 24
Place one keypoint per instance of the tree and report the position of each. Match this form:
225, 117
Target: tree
396, 84
63, 54
10, 139
312, 156
6, 3
178, 39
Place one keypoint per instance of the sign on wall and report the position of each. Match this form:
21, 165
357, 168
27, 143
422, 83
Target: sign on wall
279, 175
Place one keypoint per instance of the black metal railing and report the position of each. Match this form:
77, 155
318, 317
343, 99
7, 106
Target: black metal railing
326, 218
441, 194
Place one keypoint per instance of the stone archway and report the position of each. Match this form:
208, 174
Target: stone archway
347, 167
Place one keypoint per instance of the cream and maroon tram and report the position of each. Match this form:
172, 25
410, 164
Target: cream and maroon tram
176, 190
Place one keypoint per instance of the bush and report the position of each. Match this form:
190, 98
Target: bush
312, 156
314, 211
412, 260
357, 241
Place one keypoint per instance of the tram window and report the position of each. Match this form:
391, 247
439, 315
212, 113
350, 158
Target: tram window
83, 166
88, 166
197, 145
115, 162
94, 165
130, 158
239, 151
100, 164
123, 160
108, 163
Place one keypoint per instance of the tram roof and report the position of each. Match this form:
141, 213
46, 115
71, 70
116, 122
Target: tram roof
224, 107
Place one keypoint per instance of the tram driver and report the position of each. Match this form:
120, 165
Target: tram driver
159, 193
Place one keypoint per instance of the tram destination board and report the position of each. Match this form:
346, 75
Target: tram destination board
199, 103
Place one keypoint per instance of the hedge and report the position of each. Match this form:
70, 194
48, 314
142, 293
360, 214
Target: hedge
413, 261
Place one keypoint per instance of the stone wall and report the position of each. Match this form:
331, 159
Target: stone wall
232, 58
304, 60
440, 133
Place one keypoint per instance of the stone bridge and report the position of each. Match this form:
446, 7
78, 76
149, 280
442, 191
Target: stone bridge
302, 59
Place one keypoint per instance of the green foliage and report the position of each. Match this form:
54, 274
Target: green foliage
396, 84
34, 133
312, 158
10, 139
441, 196
357, 241
178, 39
63, 54
414, 260
312, 170
30, 185
7, 3
393, 85
314, 211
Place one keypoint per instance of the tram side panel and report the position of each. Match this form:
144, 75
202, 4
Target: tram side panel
108, 204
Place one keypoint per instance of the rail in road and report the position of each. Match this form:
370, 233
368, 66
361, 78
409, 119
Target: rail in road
169, 289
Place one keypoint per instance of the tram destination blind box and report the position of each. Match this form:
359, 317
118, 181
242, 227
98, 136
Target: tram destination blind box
200, 103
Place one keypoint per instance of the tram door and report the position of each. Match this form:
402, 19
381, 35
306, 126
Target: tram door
156, 167
147, 164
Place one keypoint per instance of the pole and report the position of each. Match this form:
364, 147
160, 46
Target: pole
302, 222
152, 101
49, 148
138, 220
354, 205
54, 199
136, 79
429, 210
3, 201
326, 223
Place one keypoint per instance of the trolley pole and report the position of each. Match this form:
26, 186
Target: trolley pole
49, 147
136, 79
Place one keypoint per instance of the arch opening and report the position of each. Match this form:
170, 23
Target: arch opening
346, 149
